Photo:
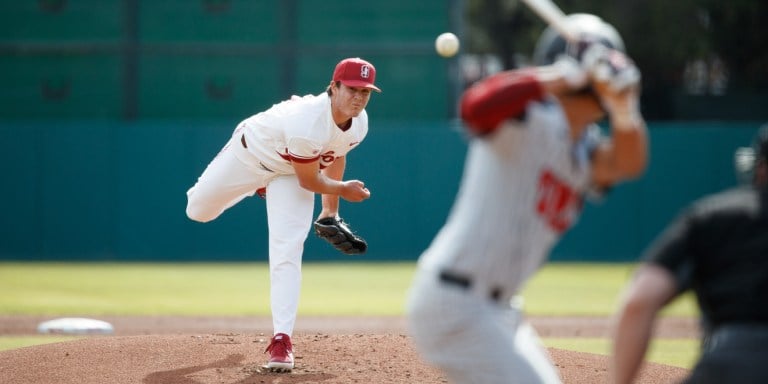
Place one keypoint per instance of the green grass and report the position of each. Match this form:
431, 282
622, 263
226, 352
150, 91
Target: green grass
677, 352
196, 289
133, 289
242, 289
587, 289
13, 342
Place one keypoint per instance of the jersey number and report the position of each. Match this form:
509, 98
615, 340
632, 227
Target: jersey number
556, 202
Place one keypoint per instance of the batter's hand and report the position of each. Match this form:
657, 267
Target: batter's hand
610, 67
572, 72
354, 191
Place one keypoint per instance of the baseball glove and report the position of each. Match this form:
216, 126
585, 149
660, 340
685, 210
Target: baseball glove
337, 233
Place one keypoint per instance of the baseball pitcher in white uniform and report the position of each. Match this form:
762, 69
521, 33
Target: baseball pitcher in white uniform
534, 155
287, 154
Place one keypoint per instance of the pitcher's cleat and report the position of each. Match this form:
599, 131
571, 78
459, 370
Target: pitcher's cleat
280, 353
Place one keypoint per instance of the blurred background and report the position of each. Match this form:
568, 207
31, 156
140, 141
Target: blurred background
110, 110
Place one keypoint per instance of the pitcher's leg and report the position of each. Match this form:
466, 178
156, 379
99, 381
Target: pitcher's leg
289, 211
225, 181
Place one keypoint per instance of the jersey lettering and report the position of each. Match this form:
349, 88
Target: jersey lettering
325, 159
556, 202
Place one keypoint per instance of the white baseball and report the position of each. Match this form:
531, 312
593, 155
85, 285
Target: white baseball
447, 44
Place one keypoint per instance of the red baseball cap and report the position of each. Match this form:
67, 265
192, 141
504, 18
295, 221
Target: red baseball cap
356, 72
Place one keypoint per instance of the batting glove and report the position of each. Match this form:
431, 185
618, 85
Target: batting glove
573, 74
609, 65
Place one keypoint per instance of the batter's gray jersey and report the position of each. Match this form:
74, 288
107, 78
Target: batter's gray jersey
522, 187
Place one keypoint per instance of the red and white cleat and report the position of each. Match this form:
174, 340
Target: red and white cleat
280, 353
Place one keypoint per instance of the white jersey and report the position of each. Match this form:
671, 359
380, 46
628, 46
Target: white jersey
300, 129
504, 234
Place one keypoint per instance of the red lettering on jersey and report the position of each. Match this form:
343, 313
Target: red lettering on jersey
325, 159
328, 157
557, 203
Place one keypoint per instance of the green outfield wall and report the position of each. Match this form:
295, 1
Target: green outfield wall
190, 59
110, 109
115, 191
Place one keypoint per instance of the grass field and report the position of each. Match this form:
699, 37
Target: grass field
232, 289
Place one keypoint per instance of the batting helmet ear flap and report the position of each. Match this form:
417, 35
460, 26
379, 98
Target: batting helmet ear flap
589, 28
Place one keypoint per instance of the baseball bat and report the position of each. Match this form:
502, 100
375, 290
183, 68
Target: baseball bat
551, 13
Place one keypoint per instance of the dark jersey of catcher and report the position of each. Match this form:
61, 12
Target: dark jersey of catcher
718, 247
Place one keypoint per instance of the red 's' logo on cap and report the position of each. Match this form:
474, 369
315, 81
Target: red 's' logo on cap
356, 72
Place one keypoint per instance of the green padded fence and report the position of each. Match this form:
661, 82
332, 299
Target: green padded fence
181, 59
103, 190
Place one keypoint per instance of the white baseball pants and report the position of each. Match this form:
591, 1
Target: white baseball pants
225, 182
473, 339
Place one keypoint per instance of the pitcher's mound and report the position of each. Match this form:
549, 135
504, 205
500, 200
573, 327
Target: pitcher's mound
237, 358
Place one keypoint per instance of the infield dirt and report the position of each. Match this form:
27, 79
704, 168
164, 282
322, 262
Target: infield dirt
190, 350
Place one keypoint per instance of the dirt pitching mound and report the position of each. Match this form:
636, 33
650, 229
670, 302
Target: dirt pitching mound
237, 359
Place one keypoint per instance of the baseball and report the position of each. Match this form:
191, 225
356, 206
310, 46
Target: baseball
447, 44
